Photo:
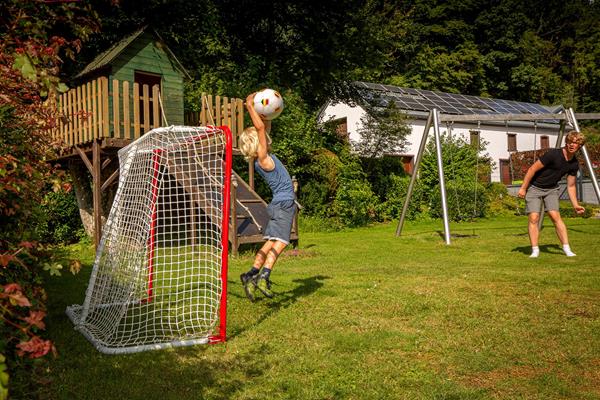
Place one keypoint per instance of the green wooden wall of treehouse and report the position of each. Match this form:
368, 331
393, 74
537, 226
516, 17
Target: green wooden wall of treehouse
147, 54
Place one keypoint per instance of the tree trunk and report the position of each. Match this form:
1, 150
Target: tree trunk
83, 193
82, 183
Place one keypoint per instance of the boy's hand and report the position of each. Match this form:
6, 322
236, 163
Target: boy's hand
250, 99
579, 209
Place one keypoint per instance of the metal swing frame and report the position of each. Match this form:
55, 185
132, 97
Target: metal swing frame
568, 116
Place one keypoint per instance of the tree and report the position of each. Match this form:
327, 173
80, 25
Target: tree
383, 131
35, 37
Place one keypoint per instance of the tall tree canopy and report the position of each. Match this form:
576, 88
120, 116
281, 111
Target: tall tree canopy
544, 51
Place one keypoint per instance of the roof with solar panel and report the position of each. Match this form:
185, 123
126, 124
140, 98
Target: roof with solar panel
417, 101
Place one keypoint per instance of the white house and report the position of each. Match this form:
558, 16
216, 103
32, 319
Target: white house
501, 138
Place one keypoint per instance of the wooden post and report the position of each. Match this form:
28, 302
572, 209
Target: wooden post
233, 226
126, 117
116, 105
97, 192
295, 222
146, 108
251, 174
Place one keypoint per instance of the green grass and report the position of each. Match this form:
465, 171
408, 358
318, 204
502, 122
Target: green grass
362, 314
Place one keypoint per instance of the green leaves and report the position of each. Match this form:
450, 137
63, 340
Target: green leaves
53, 268
3, 378
25, 66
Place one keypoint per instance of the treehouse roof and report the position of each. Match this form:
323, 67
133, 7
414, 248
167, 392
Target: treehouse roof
111, 54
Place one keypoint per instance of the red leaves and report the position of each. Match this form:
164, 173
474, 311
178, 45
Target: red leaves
5, 259
35, 318
14, 293
35, 347
30, 345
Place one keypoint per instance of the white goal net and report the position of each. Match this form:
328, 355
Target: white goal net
159, 277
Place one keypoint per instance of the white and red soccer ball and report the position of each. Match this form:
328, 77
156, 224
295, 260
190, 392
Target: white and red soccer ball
268, 103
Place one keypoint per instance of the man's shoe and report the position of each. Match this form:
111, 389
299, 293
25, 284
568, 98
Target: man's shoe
264, 285
249, 283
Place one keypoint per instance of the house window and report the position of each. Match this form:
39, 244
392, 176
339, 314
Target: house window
544, 142
147, 78
512, 141
474, 139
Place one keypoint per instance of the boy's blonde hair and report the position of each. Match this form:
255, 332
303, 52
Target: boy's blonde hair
249, 143
575, 137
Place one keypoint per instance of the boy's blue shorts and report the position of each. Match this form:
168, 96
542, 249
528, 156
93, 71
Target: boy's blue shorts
281, 215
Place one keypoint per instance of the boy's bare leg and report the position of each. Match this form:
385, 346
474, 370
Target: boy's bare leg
264, 281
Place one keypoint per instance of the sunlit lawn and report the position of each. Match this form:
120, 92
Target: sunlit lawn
362, 314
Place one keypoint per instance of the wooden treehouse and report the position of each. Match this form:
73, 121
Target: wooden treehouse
128, 90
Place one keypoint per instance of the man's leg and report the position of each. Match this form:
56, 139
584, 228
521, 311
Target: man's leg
561, 231
534, 233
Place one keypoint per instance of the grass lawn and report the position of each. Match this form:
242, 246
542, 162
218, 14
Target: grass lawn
362, 314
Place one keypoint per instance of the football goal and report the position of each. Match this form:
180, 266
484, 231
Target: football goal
160, 274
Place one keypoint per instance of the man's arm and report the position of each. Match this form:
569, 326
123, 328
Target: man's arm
264, 160
572, 191
529, 176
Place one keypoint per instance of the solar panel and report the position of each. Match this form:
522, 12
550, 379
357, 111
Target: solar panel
411, 99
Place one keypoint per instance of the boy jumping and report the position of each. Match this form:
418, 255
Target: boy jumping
255, 145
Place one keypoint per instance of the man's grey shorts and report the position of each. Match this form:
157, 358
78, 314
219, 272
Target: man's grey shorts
536, 195
281, 215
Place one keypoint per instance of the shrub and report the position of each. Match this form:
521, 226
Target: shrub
465, 200
354, 203
395, 195
501, 203
61, 223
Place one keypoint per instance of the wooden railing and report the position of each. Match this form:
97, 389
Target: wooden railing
217, 111
122, 110
92, 111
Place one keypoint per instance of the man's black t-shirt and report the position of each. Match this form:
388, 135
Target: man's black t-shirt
555, 167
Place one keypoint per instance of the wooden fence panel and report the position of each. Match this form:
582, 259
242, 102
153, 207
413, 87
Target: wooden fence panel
155, 106
126, 117
94, 110
136, 110
104, 132
78, 115
146, 107
86, 112
116, 105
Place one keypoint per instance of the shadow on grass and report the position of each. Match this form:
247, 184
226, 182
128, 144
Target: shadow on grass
179, 373
282, 300
545, 248
458, 235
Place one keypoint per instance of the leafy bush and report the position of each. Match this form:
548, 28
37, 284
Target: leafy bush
464, 170
318, 193
391, 207
30, 61
566, 210
501, 203
465, 200
60, 222
308, 223
354, 202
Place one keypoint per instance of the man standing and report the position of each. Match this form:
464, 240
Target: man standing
541, 184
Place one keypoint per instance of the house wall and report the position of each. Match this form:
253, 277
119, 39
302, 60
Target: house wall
493, 136
145, 55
